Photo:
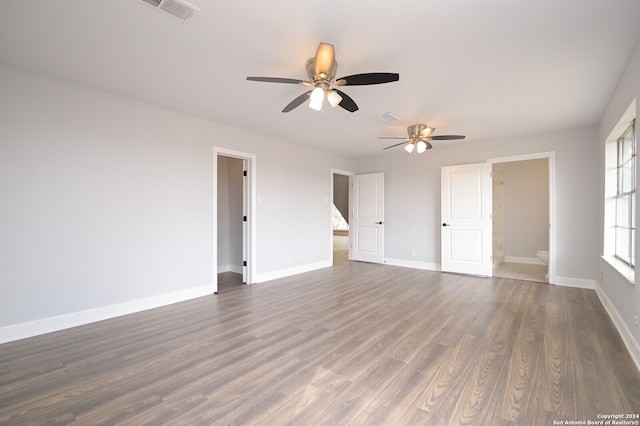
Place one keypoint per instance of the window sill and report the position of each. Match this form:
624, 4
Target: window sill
623, 269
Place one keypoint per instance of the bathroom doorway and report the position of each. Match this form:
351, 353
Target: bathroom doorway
523, 217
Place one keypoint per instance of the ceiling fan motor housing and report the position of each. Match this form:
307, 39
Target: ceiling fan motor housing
417, 131
321, 77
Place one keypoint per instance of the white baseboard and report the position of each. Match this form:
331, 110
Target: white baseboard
527, 260
230, 268
282, 273
627, 336
74, 319
412, 264
575, 282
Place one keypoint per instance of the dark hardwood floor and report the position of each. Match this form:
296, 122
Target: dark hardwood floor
358, 343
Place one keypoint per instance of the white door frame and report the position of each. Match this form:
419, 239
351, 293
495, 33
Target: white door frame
343, 173
551, 156
250, 207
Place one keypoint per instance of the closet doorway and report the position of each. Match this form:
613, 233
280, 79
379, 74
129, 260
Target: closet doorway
234, 219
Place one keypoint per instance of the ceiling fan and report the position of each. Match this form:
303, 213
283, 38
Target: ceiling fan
321, 70
419, 137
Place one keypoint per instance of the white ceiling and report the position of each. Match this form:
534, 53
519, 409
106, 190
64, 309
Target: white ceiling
485, 69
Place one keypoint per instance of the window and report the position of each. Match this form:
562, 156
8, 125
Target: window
625, 224
618, 248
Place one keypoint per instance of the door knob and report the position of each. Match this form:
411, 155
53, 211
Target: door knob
445, 224
378, 223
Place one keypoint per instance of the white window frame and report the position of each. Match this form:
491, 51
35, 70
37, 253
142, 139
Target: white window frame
625, 224
611, 195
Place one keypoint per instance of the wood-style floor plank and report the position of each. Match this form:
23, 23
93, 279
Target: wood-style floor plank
358, 344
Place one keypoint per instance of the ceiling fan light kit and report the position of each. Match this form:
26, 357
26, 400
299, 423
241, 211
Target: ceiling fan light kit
321, 72
419, 137
316, 98
334, 98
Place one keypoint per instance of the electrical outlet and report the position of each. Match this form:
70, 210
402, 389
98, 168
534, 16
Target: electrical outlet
413, 253
636, 319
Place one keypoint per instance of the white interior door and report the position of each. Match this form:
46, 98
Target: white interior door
466, 194
366, 227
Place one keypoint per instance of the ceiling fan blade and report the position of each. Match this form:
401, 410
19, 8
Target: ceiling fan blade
325, 58
346, 102
384, 137
368, 78
445, 137
297, 101
393, 146
276, 80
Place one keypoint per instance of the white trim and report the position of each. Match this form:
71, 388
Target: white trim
415, 264
74, 319
551, 156
251, 211
283, 273
575, 282
341, 172
625, 271
627, 336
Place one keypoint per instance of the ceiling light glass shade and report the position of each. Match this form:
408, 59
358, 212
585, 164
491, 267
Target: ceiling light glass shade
426, 131
409, 148
334, 98
325, 57
422, 147
317, 96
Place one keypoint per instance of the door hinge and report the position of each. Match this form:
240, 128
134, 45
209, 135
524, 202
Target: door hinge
244, 173
244, 263
244, 218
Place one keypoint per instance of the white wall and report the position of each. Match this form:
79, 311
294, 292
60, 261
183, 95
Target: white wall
621, 298
412, 196
107, 204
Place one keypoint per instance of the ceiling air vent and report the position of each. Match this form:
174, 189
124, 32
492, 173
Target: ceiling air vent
388, 117
178, 9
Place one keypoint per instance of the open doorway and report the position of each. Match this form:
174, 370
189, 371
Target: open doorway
234, 219
230, 208
523, 219
340, 216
